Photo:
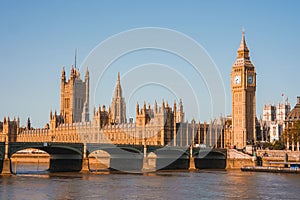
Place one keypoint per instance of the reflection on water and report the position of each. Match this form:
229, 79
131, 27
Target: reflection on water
203, 184
29, 168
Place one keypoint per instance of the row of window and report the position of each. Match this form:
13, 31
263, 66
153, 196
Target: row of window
78, 103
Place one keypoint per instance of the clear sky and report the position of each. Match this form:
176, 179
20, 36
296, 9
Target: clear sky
37, 38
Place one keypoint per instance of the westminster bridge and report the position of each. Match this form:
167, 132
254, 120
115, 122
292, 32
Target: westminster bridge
67, 157
130, 148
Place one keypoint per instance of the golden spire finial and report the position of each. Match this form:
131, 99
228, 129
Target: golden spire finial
75, 57
243, 46
243, 31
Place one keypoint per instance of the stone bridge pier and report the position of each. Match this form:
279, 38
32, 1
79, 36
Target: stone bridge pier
6, 163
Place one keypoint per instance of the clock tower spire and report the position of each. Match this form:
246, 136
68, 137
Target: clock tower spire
243, 51
243, 88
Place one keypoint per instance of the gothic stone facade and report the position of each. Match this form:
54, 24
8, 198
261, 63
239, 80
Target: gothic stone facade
161, 125
273, 122
154, 126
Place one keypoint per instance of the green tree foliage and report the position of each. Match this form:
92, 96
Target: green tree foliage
278, 145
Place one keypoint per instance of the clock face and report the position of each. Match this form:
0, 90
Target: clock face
237, 79
250, 79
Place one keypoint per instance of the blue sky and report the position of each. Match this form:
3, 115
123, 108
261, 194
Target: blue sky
37, 38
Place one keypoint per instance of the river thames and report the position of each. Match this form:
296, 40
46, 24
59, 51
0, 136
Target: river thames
202, 184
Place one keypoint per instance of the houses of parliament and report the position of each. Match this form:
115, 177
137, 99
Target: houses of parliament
161, 124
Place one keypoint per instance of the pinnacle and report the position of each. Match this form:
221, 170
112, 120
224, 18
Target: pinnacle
118, 88
243, 45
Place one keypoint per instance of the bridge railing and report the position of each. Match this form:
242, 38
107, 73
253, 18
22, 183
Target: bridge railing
35, 135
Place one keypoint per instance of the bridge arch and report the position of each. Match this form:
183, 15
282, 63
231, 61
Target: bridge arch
64, 157
211, 153
170, 158
29, 160
121, 157
213, 159
48, 149
115, 149
99, 160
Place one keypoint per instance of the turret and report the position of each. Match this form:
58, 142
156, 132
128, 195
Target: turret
62, 90
53, 120
73, 73
10, 129
101, 117
85, 113
28, 124
180, 106
63, 75
174, 107
180, 113
96, 117
18, 121
99, 109
77, 72
142, 116
87, 73
155, 106
174, 124
6, 128
137, 109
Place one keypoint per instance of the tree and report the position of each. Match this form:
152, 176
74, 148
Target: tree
278, 145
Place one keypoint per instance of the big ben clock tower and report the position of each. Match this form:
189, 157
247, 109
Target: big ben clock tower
243, 87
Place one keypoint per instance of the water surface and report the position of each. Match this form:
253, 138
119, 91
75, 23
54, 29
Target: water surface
30, 183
